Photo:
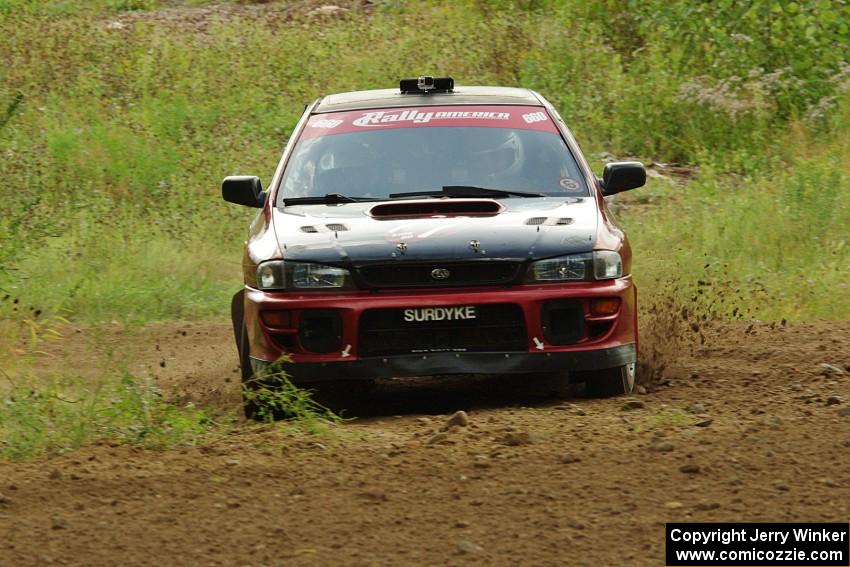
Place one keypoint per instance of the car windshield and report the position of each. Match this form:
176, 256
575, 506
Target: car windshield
376, 153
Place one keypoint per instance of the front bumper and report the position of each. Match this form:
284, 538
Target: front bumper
614, 346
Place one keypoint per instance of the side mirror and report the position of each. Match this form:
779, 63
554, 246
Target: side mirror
243, 190
621, 176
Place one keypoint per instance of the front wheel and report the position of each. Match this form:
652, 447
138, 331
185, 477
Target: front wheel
251, 404
609, 382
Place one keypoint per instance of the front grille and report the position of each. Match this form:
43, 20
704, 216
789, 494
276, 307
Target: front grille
436, 274
496, 328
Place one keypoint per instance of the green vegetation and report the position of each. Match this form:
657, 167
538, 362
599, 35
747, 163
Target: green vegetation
271, 395
61, 416
65, 8
116, 129
771, 244
114, 137
55, 411
52, 414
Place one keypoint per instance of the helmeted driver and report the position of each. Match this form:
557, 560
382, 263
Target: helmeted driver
495, 157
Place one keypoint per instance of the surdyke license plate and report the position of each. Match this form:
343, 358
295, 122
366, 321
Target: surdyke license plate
455, 313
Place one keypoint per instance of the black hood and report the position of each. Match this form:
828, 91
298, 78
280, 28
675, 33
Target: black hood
348, 234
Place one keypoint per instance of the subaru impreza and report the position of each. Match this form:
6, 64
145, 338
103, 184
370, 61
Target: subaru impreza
435, 229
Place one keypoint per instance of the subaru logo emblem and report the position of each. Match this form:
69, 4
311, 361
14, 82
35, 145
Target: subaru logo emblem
440, 274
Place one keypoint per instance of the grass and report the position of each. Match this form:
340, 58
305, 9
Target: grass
42, 414
773, 244
117, 138
66, 8
46, 417
148, 275
40, 418
54, 410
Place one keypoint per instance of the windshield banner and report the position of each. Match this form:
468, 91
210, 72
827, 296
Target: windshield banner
515, 117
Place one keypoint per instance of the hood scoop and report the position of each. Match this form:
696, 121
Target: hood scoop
436, 208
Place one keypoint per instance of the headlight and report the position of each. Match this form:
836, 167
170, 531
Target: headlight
316, 276
607, 265
576, 267
278, 274
270, 275
600, 265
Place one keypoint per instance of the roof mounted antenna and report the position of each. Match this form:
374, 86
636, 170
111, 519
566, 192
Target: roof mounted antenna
427, 84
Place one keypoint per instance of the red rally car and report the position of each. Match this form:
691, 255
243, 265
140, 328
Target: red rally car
435, 230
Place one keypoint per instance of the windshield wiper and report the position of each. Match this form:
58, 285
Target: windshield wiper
465, 191
328, 199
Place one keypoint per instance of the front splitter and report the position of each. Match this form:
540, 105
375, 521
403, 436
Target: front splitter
428, 364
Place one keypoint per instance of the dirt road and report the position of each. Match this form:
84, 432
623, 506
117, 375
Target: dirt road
752, 425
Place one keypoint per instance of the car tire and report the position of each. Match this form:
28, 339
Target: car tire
610, 382
249, 406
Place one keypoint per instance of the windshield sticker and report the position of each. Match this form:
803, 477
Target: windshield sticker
325, 123
467, 116
419, 117
569, 184
534, 117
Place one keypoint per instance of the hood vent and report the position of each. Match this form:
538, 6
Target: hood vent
436, 208
330, 227
549, 221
